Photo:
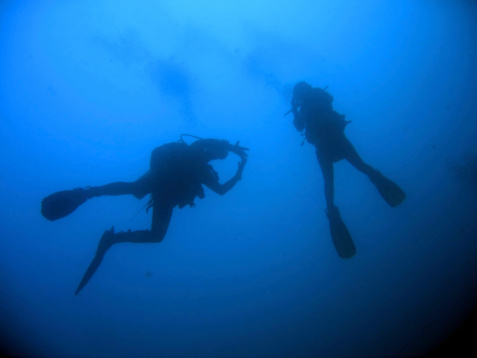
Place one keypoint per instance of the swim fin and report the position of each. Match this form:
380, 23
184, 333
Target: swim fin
63, 203
107, 240
389, 190
340, 235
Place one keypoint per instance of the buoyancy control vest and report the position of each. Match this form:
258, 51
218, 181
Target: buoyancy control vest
319, 119
180, 173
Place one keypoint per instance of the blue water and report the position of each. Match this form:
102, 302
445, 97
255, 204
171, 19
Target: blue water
89, 88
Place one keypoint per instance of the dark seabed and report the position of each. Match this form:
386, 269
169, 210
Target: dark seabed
89, 88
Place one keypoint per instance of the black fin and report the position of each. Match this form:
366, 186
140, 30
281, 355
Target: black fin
107, 240
389, 190
62, 203
340, 235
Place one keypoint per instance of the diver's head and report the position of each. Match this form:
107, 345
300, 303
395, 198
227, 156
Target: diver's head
211, 149
301, 91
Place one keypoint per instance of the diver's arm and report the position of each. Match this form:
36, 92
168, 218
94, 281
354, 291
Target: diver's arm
221, 189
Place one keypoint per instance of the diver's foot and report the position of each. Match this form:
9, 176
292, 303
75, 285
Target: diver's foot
389, 190
82, 194
106, 241
339, 234
63, 203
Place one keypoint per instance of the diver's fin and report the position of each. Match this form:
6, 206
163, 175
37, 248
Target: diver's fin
340, 235
63, 203
389, 190
104, 244
93, 266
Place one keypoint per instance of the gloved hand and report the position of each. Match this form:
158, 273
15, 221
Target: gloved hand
241, 165
296, 104
240, 151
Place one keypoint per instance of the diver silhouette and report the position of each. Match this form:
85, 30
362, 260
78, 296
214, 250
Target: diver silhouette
324, 128
177, 172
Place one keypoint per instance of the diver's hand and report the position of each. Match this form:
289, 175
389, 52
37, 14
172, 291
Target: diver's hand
240, 151
241, 165
295, 106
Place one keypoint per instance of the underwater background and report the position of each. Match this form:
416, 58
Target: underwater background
89, 88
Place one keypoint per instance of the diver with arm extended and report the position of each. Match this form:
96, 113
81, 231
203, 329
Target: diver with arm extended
324, 128
221, 189
175, 179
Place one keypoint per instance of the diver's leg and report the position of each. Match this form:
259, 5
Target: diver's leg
339, 232
161, 217
138, 188
117, 188
326, 166
352, 156
63, 203
389, 190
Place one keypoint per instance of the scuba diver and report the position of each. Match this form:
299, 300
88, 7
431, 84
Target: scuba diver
177, 172
324, 128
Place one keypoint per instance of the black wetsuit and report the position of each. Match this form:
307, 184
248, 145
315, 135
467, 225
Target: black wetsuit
177, 173
176, 177
324, 128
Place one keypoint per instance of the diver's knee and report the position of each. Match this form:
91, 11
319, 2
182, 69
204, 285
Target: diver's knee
139, 195
157, 239
156, 235
107, 240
